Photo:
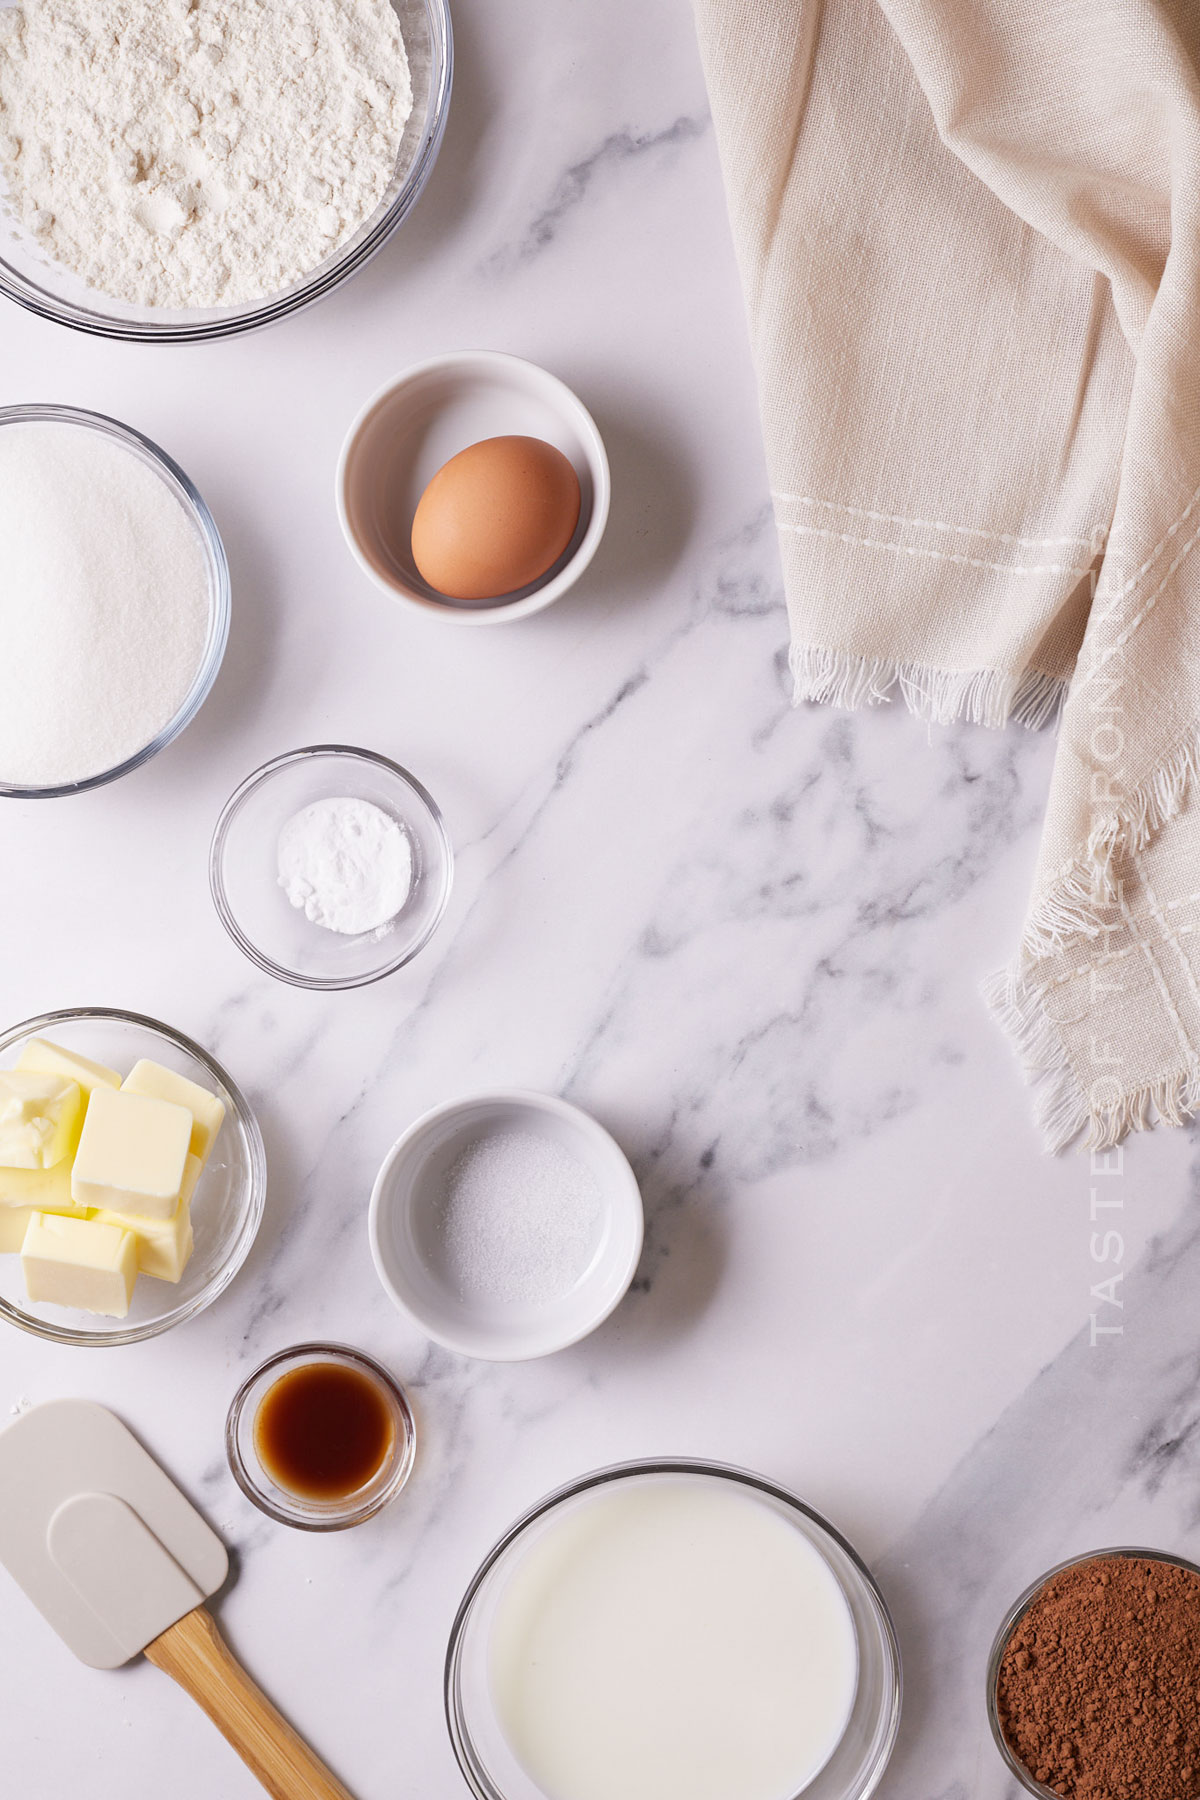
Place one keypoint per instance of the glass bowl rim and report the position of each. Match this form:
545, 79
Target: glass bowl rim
310, 1352
216, 878
460, 1737
268, 311
1012, 1619
255, 1202
220, 607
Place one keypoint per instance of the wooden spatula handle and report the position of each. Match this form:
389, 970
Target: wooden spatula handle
193, 1653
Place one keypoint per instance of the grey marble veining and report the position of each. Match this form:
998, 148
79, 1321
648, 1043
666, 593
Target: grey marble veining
598, 167
1102, 1448
747, 937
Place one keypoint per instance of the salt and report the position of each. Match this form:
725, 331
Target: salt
519, 1219
104, 604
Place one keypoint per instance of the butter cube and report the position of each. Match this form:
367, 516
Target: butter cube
80, 1263
207, 1111
51, 1059
47, 1189
132, 1153
39, 1118
163, 1245
15, 1219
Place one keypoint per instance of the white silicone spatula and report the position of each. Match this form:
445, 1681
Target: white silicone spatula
118, 1561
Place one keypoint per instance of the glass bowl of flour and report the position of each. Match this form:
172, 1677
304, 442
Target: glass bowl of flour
114, 610
239, 161
330, 867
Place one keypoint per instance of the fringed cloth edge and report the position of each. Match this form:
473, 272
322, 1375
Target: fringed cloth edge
940, 696
1060, 1105
1078, 903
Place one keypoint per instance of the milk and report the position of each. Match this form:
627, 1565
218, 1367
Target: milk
675, 1637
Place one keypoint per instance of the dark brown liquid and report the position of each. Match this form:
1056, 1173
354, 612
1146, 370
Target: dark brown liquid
323, 1430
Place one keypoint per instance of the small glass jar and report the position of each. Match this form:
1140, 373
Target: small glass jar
253, 1474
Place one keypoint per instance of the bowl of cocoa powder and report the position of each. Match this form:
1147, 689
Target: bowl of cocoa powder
1093, 1684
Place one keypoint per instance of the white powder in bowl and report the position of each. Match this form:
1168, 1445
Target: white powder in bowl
347, 863
519, 1219
104, 604
190, 153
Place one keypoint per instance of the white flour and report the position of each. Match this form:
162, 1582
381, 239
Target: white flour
104, 604
198, 152
346, 863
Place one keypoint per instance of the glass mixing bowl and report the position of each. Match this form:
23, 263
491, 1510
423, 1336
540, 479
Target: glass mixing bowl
227, 1206
28, 276
856, 1766
218, 583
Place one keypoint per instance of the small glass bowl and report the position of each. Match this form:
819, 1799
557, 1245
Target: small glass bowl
294, 1509
227, 1207
856, 1766
243, 868
189, 499
1012, 1619
28, 276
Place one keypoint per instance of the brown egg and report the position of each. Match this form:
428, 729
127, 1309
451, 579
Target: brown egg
495, 518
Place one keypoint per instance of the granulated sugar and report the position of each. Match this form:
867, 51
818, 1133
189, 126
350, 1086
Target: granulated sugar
519, 1219
104, 604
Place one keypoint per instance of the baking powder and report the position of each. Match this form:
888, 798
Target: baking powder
347, 863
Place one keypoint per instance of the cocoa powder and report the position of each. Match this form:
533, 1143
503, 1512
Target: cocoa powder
1098, 1691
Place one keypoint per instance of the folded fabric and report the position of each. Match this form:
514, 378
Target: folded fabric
970, 247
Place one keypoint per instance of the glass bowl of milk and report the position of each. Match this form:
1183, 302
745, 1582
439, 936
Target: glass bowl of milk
672, 1630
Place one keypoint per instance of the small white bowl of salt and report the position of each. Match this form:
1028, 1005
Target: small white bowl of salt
506, 1225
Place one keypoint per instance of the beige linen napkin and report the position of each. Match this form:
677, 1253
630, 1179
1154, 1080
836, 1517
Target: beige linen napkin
969, 239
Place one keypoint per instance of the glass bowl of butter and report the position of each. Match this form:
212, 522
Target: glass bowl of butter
132, 1177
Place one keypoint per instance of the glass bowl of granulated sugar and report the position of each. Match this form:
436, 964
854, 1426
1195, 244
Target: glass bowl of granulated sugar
240, 162
114, 607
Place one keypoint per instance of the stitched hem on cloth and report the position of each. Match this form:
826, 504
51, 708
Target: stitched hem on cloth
1060, 1105
940, 696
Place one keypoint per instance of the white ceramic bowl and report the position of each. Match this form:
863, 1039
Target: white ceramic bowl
419, 421
405, 1242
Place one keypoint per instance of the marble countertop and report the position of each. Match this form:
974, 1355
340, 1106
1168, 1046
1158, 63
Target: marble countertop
748, 938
